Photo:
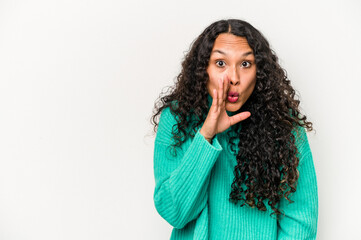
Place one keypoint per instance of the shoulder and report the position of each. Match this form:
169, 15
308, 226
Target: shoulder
167, 122
167, 118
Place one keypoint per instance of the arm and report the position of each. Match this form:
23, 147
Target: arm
181, 182
300, 220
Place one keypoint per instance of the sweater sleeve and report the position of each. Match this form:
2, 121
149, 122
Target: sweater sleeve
301, 216
181, 181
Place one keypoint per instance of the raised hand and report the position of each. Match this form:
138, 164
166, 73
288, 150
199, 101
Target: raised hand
217, 119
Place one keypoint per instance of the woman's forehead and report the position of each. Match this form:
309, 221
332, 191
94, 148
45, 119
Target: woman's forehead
229, 42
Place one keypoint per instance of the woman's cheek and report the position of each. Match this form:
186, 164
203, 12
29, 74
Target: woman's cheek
215, 78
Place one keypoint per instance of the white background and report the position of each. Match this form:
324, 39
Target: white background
78, 83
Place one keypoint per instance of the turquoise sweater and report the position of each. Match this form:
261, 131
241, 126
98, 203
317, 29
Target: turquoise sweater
192, 191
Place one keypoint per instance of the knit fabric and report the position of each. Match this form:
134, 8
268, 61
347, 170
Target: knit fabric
192, 190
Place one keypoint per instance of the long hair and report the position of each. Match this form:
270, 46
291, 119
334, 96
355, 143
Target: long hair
267, 155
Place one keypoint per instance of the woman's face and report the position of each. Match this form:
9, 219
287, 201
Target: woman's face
232, 58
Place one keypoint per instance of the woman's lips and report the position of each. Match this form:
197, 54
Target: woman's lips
232, 99
232, 96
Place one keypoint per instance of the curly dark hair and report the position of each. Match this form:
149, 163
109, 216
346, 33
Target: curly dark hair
267, 159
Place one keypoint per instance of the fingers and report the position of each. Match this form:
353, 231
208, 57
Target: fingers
220, 95
220, 91
215, 99
225, 88
239, 117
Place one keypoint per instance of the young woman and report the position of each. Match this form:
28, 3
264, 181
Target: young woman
231, 155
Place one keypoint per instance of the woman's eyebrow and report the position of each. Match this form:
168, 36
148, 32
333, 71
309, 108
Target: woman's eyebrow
221, 52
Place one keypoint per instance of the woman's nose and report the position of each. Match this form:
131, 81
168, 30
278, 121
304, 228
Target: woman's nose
233, 77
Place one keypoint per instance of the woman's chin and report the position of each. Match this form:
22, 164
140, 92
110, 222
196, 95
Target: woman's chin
233, 107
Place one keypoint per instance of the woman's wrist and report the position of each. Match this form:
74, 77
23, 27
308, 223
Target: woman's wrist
209, 139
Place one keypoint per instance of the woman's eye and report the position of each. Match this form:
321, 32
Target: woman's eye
220, 63
246, 64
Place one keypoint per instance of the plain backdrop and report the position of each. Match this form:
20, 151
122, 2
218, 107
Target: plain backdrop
78, 84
